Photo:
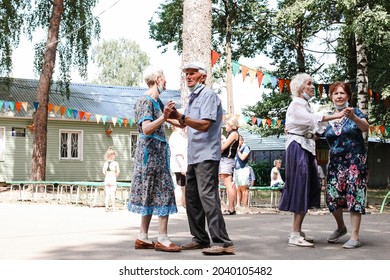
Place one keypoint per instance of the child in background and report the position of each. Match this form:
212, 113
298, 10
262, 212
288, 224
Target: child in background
111, 172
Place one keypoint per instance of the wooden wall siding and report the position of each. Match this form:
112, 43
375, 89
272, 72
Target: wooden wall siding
17, 163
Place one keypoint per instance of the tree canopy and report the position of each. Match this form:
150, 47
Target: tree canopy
120, 62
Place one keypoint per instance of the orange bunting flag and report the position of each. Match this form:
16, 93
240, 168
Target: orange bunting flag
50, 107
279, 122
372, 128
125, 122
281, 85
214, 57
56, 109
288, 85
269, 121
62, 110
321, 89
18, 106
260, 76
81, 115
382, 129
244, 70
87, 116
370, 92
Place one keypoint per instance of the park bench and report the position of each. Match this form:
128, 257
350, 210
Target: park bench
89, 193
254, 198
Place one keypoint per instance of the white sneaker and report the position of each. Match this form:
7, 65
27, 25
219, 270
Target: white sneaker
299, 241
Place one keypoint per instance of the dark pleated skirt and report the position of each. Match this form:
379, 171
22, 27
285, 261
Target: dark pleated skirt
302, 188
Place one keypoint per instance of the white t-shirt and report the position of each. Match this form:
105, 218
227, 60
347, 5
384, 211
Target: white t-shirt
178, 144
278, 176
110, 170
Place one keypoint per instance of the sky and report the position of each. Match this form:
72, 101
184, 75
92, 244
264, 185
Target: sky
129, 19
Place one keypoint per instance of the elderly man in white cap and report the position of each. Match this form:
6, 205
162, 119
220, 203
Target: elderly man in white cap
203, 118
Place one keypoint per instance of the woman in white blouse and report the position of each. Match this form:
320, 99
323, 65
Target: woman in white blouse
302, 189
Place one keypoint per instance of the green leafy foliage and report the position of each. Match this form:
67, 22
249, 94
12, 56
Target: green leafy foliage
120, 62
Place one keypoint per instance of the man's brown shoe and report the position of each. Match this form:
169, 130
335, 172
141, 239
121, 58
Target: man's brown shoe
139, 244
219, 250
193, 245
171, 248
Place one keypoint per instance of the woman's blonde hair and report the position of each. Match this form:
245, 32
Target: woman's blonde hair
232, 122
109, 154
277, 161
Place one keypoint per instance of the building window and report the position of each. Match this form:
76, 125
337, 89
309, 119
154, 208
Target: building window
2, 143
133, 143
71, 143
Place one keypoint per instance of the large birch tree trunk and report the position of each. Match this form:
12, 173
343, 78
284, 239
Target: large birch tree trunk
196, 37
38, 168
362, 78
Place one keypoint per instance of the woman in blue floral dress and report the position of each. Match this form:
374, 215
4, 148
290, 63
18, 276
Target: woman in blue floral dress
152, 188
348, 168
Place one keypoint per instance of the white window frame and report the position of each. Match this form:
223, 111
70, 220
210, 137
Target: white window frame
133, 146
80, 151
2, 143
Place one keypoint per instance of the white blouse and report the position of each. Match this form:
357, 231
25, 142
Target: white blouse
301, 119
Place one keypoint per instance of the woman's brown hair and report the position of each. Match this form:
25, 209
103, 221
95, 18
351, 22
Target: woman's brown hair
346, 87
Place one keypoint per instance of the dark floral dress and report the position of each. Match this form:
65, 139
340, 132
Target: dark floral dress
348, 167
152, 188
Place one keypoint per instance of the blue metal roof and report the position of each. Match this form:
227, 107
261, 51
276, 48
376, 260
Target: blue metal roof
112, 101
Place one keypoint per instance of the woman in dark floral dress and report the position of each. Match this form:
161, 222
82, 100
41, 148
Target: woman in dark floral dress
152, 188
347, 169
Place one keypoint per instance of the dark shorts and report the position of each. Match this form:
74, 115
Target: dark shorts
180, 179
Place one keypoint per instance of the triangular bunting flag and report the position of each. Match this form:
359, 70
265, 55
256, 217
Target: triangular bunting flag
125, 121
6, 105
120, 121
56, 109
18, 105
87, 115
69, 112
288, 85
260, 76
98, 117
36, 104
114, 119
62, 110
258, 121
81, 115
12, 105
131, 122
252, 74
321, 89
1, 104
236, 67
281, 85
274, 81
104, 119
24, 105
244, 71
50, 107
214, 57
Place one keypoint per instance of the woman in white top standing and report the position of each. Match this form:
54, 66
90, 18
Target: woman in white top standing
302, 189
178, 144
111, 172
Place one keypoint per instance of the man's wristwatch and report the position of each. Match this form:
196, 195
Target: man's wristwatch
182, 119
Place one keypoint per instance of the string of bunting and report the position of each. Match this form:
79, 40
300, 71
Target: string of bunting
65, 112
265, 78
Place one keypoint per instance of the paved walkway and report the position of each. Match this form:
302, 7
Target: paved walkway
31, 231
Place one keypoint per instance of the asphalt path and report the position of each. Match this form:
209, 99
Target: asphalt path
32, 231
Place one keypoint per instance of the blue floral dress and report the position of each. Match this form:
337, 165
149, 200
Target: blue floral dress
348, 168
152, 188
